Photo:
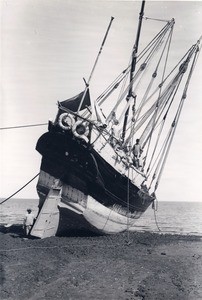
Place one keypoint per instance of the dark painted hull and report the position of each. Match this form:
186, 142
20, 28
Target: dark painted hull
78, 165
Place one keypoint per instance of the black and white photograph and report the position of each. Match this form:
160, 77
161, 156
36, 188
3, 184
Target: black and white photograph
100, 138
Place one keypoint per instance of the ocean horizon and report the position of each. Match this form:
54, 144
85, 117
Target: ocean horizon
173, 217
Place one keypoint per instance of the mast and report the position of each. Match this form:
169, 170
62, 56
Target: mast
133, 65
95, 63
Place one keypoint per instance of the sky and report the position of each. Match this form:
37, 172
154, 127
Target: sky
47, 47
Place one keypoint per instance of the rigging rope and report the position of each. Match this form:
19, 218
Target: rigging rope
156, 222
144, 99
117, 81
161, 128
19, 189
151, 44
134, 63
23, 126
128, 207
178, 113
149, 170
178, 78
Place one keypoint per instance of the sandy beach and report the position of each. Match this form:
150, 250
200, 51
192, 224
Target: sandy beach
139, 266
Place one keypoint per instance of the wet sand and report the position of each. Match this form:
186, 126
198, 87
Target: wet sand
146, 266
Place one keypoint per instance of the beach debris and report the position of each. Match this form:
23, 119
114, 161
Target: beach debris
8, 225
197, 256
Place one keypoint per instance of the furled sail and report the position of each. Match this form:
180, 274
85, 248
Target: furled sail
74, 102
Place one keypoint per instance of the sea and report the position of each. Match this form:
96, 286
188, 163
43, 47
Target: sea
169, 217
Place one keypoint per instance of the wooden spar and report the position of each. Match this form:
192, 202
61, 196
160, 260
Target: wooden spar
96, 61
133, 65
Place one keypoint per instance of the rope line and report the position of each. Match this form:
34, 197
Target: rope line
128, 207
23, 126
59, 247
155, 218
19, 189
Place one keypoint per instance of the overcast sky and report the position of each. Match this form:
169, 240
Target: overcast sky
48, 46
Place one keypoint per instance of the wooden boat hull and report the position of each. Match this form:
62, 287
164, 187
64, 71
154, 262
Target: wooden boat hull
62, 217
75, 164
71, 210
93, 189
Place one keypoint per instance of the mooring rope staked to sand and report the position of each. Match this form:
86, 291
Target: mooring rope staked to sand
23, 126
19, 189
111, 244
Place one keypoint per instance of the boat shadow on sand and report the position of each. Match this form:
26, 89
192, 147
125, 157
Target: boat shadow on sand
17, 230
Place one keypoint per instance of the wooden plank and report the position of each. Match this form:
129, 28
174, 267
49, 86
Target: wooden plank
47, 221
